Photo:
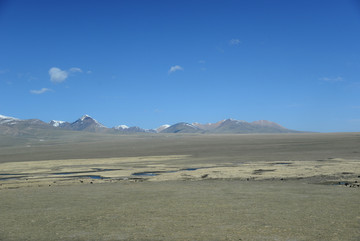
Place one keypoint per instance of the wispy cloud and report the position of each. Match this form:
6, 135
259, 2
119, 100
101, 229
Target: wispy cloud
58, 76
175, 68
336, 79
3, 71
41, 91
74, 70
234, 41
201, 61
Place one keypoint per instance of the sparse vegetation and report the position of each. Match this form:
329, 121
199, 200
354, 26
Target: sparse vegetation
202, 187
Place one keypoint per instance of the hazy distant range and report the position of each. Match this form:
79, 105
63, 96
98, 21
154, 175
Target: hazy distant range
17, 127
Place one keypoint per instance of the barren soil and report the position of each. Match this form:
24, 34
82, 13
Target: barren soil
181, 187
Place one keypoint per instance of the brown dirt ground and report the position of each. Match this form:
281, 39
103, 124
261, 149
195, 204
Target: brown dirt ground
246, 187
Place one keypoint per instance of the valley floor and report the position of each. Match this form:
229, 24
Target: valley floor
181, 187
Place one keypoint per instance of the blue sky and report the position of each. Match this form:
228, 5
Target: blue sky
149, 63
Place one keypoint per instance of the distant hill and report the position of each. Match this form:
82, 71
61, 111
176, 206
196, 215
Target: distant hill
229, 126
262, 126
17, 127
208, 126
182, 127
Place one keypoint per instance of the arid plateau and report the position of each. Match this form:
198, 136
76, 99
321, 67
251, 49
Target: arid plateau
91, 186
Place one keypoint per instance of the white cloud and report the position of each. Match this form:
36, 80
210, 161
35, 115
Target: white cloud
337, 79
89, 72
234, 41
201, 61
74, 70
57, 75
41, 91
175, 68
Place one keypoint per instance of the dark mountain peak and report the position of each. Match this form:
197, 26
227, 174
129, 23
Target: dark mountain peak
84, 117
88, 119
87, 123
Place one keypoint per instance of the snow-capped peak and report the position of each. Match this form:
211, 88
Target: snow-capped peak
6, 119
121, 127
56, 123
84, 117
163, 127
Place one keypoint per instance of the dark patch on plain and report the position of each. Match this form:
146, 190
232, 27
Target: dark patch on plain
150, 174
91, 176
260, 171
93, 170
9, 178
155, 173
9, 174
343, 183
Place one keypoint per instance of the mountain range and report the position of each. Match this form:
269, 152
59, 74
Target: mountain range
14, 126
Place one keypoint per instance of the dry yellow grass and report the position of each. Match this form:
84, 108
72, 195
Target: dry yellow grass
165, 168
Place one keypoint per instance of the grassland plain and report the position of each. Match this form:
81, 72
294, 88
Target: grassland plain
180, 187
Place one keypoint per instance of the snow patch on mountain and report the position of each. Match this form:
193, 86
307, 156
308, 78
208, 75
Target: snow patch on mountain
56, 123
163, 127
84, 117
7, 119
121, 127
192, 126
